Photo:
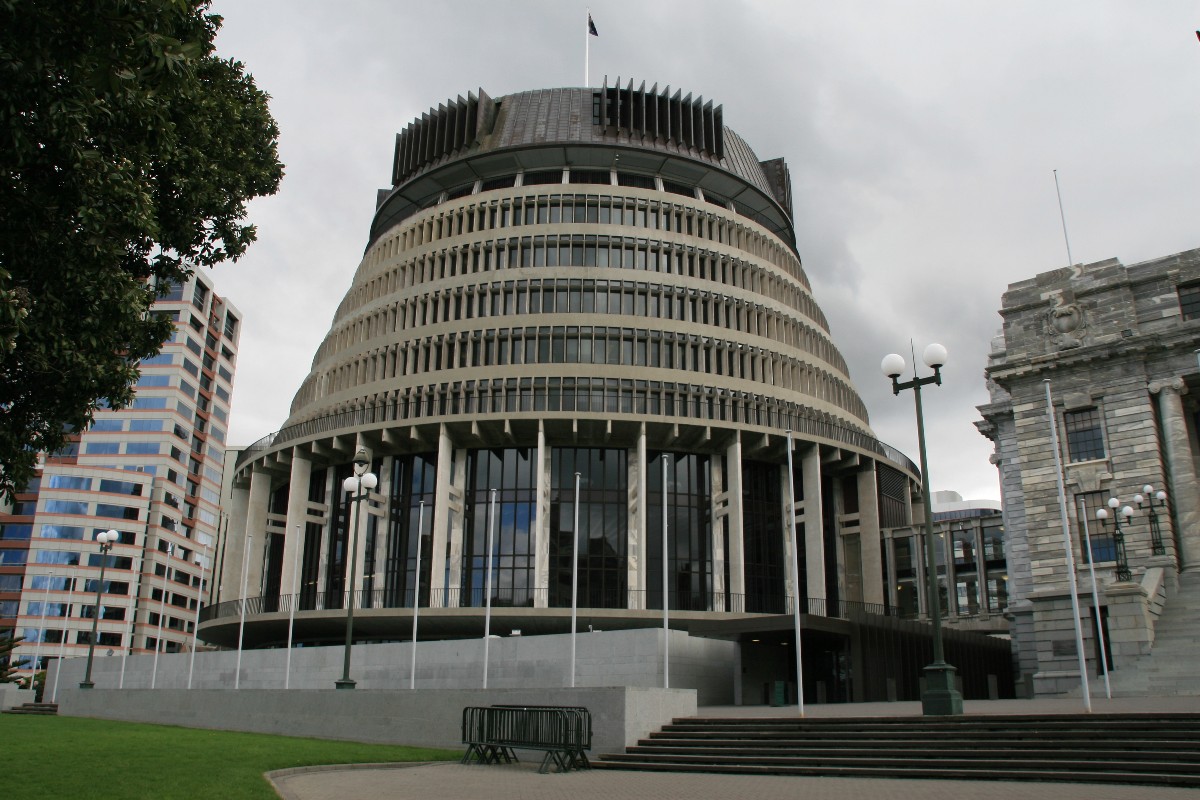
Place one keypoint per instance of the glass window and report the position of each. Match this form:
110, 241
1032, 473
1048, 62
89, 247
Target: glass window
66, 507
1089, 528
14, 531
1189, 301
68, 482
1085, 440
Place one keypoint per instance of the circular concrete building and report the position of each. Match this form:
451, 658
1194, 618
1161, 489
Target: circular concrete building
593, 282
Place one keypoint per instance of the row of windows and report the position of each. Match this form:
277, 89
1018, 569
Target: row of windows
587, 296
597, 395
475, 216
597, 345
611, 252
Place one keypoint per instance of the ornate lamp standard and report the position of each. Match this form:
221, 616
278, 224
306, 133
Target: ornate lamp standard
1156, 541
359, 484
1123, 573
940, 696
106, 540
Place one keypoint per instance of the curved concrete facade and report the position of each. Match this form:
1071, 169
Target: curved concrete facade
599, 283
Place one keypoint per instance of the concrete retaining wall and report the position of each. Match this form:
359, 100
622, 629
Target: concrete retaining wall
618, 678
610, 658
432, 718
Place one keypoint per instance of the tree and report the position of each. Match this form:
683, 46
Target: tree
8, 640
128, 152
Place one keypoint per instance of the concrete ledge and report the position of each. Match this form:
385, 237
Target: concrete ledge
430, 718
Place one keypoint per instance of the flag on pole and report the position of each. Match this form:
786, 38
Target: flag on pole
592, 26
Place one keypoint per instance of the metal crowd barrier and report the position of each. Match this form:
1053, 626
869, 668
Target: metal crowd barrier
493, 733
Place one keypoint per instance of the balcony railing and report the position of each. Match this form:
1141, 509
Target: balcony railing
631, 600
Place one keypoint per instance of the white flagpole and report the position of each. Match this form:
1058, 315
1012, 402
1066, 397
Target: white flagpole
587, 50
665, 603
287, 673
412, 672
196, 622
574, 579
37, 653
57, 673
795, 578
1063, 217
162, 612
1062, 508
132, 627
1087, 539
237, 675
487, 618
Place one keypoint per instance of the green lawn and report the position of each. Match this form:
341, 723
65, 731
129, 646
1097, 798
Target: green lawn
91, 759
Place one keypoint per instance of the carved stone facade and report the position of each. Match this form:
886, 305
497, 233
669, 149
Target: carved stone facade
1117, 347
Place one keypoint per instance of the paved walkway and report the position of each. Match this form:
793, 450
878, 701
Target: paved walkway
521, 781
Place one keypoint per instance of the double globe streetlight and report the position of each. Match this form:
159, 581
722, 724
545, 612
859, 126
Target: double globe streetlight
1156, 541
1123, 571
106, 539
358, 484
940, 696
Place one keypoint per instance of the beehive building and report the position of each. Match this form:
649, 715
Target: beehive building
602, 282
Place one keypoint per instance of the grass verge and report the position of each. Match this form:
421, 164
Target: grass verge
93, 759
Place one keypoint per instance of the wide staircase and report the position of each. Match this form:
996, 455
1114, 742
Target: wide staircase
1147, 749
39, 709
1171, 666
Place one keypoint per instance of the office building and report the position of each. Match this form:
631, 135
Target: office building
152, 472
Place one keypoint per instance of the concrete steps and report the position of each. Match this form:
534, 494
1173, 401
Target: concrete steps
40, 709
1170, 668
1146, 749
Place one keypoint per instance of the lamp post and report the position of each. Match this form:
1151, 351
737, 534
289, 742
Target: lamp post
1156, 541
1123, 573
106, 540
940, 696
360, 483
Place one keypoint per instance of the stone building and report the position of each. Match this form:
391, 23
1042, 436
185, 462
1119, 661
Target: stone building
1117, 347
594, 282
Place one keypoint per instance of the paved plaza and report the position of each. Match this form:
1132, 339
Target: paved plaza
458, 782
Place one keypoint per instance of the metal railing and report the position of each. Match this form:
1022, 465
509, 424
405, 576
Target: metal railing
629, 600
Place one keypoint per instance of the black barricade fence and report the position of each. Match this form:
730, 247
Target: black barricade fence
492, 733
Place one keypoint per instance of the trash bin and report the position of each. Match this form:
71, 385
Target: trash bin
778, 693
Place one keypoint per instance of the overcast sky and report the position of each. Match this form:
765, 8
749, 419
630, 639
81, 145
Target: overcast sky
921, 137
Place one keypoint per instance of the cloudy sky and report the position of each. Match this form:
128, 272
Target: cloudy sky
922, 139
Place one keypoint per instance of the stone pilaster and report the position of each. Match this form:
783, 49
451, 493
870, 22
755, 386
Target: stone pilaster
1183, 494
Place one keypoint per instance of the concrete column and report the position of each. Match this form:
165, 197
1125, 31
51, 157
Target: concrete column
228, 562
297, 514
814, 527
869, 540
733, 518
256, 527
1183, 493
636, 546
359, 515
541, 521
442, 515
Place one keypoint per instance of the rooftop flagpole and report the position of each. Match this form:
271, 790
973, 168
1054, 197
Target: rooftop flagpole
587, 48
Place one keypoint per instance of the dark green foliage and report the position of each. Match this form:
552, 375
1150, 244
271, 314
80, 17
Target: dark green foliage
128, 151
